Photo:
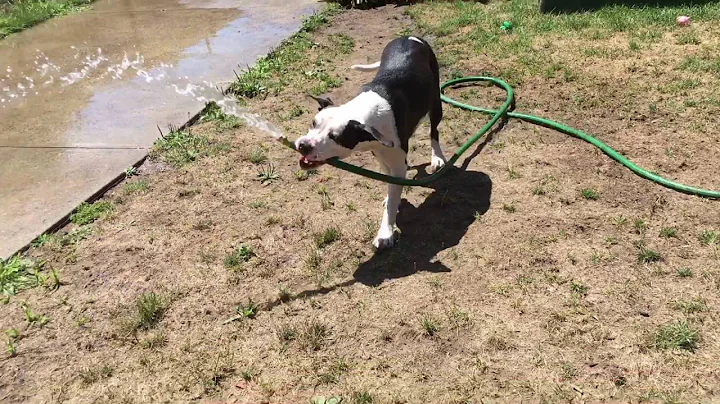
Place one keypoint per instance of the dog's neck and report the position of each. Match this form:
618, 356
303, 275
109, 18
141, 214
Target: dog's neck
373, 110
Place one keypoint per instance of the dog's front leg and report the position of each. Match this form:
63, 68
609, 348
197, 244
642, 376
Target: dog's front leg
386, 234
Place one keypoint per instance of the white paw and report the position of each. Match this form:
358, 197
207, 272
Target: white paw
436, 163
385, 239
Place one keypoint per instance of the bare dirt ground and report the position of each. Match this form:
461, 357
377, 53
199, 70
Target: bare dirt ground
540, 271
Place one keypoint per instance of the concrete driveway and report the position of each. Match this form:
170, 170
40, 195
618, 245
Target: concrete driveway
81, 96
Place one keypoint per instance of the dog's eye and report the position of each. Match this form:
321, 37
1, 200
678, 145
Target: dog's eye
314, 123
332, 136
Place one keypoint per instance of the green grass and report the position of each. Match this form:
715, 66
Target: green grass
695, 305
87, 213
344, 43
678, 335
248, 310
646, 255
303, 175
334, 372
362, 397
668, 232
313, 260
244, 311
708, 237
239, 256
326, 203
287, 333
135, 187
640, 226
578, 289
60, 240
19, 273
684, 273
18, 15
314, 335
182, 147
150, 310
214, 113
91, 375
267, 173
327, 237
590, 194
430, 325
474, 27
257, 155
34, 318
270, 74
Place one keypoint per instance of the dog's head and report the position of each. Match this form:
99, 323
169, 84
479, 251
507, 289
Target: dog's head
334, 134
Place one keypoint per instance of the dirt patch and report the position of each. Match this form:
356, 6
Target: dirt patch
539, 271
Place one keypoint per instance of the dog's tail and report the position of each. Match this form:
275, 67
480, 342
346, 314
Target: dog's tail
366, 68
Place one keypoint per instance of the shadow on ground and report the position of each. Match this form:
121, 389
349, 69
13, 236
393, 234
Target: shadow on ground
438, 223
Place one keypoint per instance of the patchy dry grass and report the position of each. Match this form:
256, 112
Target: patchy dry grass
539, 271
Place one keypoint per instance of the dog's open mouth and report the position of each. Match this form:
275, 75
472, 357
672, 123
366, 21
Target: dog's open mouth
306, 164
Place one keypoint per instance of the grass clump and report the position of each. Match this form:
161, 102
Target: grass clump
327, 237
684, 272
344, 43
708, 237
19, 273
314, 335
668, 232
695, 305
182, 147
87, 213
244, 311
17, 15
239, 256
135, 187
34, 318
362, 397
91, 375
267, 173
257, 155
590, 194
270, 75
646, 255
214, 113
678, 335
150, 310
430, 325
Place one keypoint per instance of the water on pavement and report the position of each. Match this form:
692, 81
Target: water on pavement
81, 96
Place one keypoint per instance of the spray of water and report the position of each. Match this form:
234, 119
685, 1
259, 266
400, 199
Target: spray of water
94, 65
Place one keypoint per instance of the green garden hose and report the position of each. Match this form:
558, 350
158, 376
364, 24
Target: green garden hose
505, 110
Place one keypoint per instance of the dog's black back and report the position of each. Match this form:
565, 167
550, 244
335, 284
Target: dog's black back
409, 79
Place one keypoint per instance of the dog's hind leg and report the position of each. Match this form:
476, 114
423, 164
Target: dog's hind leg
437, 160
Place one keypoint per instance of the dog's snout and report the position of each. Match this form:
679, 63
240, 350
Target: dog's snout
304, 147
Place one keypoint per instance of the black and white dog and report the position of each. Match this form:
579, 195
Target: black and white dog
381, 119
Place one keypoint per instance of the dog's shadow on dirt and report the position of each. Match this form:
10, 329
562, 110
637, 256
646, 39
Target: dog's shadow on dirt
457, 200
438, 223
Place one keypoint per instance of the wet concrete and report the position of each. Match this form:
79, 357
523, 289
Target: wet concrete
81, 96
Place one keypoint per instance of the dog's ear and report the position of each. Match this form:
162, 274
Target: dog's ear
355, 125
324, 102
